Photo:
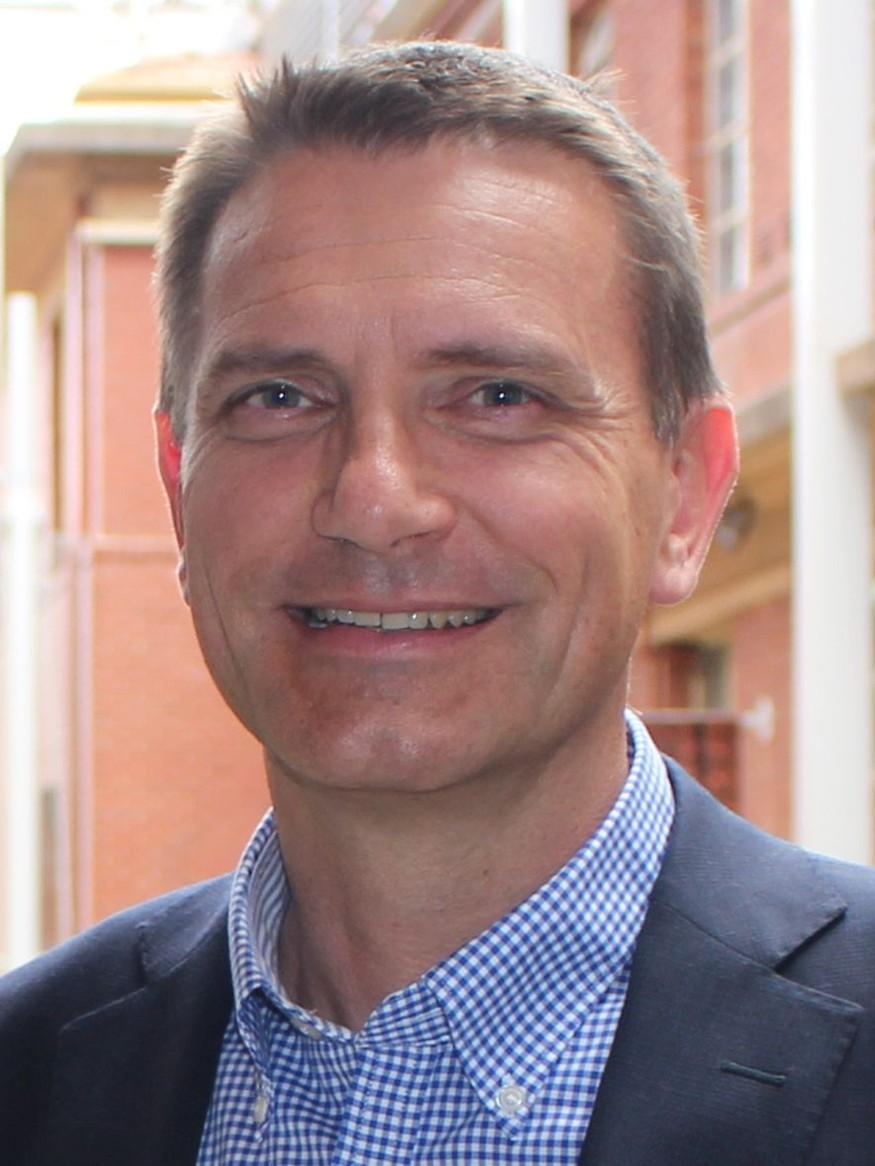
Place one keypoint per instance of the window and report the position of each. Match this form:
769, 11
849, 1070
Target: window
727, 144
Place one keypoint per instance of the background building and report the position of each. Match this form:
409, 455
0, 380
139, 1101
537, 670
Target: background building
124, 775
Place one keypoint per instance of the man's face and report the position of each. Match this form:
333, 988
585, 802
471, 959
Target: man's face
419, 400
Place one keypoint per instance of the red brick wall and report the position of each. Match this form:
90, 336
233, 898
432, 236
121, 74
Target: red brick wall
658, 54
177, 785
752, 346
761, 668
128, 501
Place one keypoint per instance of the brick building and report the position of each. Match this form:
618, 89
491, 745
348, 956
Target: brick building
124, 703
144, 781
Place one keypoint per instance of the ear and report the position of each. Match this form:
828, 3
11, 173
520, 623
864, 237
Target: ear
170, 469
703, 471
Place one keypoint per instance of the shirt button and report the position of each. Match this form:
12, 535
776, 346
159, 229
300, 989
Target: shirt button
260, 1108
511, 1099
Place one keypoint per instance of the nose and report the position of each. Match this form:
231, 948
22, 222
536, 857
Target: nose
379, 494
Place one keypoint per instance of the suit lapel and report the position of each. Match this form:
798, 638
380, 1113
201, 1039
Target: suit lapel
133, 1080
718, 1058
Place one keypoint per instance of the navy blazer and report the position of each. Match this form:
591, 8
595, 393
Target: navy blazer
747, 1039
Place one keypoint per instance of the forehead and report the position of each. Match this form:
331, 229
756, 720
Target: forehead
343, 194
521, 232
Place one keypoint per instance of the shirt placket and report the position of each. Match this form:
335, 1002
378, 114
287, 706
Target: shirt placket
382, 1115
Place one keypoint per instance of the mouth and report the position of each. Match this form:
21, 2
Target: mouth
395, 621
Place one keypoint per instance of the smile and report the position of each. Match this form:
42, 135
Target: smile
396, 621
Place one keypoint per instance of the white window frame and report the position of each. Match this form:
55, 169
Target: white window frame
727, 139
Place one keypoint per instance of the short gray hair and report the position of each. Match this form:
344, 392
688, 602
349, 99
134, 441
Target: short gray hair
403, 97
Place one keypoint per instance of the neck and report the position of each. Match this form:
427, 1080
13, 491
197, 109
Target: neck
387, 883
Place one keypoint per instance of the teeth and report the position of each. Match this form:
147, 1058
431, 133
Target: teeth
367, 619
396, 621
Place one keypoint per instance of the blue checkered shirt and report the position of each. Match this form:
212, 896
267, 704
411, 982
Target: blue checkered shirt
493, 1056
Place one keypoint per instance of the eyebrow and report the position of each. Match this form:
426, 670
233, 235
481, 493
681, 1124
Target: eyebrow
539, 359
260, 360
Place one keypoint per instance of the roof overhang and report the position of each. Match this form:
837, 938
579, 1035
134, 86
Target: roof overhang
53, 170
120, 129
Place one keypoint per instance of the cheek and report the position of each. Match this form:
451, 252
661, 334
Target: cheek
605, 535
241, 503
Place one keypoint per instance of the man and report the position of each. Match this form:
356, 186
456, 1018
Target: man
437, 423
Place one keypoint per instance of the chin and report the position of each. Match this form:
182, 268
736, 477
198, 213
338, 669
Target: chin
381, 761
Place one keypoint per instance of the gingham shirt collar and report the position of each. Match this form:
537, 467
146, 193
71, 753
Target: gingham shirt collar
511, 999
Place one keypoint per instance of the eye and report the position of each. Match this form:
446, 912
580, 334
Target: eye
501, 395
276, 408
274, 395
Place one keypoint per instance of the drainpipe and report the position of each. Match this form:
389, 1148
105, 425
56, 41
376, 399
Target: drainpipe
20, 600
832, 483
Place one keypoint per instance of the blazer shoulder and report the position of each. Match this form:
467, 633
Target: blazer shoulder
810, 916
111, 959
146, 993
841, 957
748, 1030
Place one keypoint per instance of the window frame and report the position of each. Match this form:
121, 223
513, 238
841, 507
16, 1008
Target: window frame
727, 137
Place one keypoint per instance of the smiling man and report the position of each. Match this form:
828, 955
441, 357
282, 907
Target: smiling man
438, 423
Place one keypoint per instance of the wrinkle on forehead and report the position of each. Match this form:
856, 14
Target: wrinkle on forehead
455, 180
301, 278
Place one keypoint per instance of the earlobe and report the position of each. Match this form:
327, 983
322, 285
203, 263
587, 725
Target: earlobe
704, 469
170, 469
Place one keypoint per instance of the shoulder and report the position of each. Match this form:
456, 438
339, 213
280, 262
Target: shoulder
80, 1025
841, 958
810, 916
112, 959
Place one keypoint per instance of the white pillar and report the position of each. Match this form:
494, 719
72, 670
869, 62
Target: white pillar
20, 635
832, 519
538, 29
